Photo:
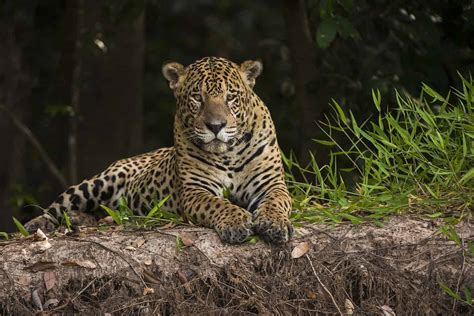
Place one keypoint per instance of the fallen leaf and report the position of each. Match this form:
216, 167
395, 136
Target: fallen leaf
349, 307
148, 290
138, 243
300, 250
53, 302
80, 263
49, 278
41, 266
148, 262
39, 235
130, 248
108, 220
311, 295
387, 311
187, 242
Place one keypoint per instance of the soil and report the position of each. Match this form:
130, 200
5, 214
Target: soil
343, 269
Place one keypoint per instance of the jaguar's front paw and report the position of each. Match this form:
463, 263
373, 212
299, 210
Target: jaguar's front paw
42, 222
235, 230
274, 228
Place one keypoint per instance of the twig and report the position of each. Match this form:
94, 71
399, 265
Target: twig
324, 286
36, 144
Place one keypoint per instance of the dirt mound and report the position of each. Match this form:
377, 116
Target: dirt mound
345, 269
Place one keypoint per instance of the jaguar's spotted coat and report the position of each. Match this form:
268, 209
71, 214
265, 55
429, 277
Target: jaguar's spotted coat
224, 141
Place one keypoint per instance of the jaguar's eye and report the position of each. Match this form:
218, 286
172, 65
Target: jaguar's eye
196, 97
231, 97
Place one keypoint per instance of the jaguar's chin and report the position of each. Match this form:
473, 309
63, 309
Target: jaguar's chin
215, 146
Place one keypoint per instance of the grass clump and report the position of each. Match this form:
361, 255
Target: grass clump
417, 157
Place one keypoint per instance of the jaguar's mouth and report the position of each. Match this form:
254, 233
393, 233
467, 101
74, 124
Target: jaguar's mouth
215, 146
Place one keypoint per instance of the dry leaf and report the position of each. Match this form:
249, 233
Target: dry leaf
108, 220
138, 243
187, 242
130, 248
311, 295
49, 278
300, 249
39, 235
387, 311
148, 290
148, 262
41, 266
80, 263
349, 307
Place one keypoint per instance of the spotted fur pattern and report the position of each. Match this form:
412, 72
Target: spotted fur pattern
225, 141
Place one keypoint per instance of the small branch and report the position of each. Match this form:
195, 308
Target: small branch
324, 286
36, 144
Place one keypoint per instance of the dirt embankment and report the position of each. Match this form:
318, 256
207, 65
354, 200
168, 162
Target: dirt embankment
345, 269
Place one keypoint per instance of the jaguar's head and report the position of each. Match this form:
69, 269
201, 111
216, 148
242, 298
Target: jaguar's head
215, 100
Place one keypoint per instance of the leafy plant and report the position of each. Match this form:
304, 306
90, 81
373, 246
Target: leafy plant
67, 221
20, 227
156, 216
418, 157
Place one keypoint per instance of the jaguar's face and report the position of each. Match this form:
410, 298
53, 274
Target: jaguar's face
214, 100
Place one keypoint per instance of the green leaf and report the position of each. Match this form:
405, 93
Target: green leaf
325, 142
4, 235
67, 220
115, 215
467, 295
377, 98
252, 240
468, 176
446, 289
157, 207
20, 227
346, 4
340, 111
345, 28
179, 243
326, 32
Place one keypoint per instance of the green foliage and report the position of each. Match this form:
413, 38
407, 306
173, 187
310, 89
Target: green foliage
20, 227
179, 243
465, 297
154, 218
4, 235
67, 221
418, 158
252, 240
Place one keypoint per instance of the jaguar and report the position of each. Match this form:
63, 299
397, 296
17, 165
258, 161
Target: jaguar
225, 170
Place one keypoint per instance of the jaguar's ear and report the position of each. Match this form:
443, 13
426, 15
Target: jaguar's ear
250, 70
173, 72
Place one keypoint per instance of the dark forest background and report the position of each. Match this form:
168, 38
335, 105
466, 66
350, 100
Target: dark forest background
81, 84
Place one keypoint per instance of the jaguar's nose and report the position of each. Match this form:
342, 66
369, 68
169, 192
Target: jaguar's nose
215, 128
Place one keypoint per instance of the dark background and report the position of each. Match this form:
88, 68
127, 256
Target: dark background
85, 78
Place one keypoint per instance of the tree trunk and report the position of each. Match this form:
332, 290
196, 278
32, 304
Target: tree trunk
110, 116
311, 105
15, 92
346, 269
